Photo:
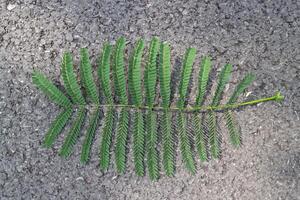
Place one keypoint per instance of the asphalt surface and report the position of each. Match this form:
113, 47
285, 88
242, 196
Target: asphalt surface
262, 37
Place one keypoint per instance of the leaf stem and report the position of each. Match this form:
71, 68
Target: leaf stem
276, 97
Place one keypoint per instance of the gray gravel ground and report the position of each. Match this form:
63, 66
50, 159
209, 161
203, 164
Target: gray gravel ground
255, 35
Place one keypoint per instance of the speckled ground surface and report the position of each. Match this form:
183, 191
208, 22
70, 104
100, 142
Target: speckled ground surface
258, 36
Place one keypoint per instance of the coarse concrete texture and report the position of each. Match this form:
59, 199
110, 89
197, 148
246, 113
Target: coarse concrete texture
261, 36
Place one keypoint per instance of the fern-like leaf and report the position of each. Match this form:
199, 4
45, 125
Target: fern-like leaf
106, 141
103, 72
69, 79
117, 101
90, 135
50, 89
57, 127
185, 145
122, 137
87, 76
73, 134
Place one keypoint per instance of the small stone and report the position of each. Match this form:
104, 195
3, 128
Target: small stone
79, 179
185, 12
11, 6
179, 190
2, 30
69, 37
19, 168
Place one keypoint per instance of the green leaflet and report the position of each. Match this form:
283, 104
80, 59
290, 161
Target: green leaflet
185, 145
138, 143
165, 74
150, 71
106, 141
205, 69
118, 71
185, 75
50, 90
247, 80
200, 138
87, 76
152, 154
57, 127
168, 144
134, 80
235, 137
73, 134
90, 135
213, 135
69, 79
103, 72
122, 137
223, 79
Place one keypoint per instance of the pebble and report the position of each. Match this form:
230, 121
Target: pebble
79, 179
11, 6
69, 37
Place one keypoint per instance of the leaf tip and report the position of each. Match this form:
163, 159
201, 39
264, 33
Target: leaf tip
278, 97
